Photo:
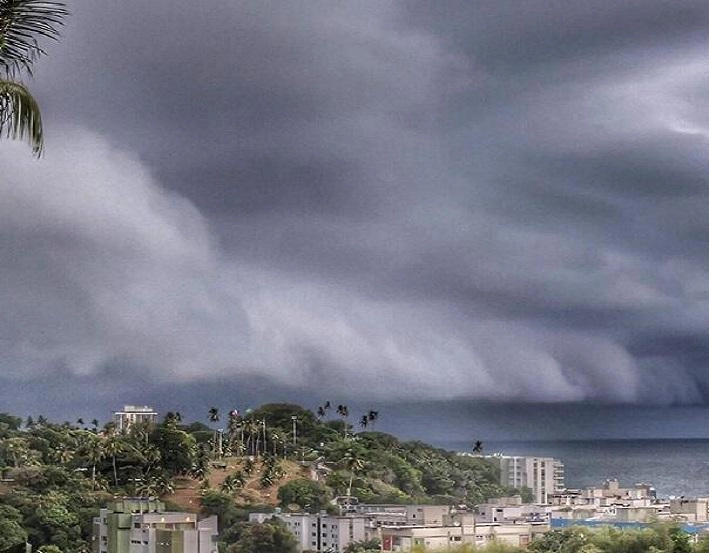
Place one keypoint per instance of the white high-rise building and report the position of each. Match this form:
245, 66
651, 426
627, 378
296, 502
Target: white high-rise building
320, 532
543, 475
132, 414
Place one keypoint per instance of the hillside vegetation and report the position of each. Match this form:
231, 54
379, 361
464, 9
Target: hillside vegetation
56, 476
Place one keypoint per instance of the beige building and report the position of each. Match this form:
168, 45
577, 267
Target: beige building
409, 538
691, 510
132, 414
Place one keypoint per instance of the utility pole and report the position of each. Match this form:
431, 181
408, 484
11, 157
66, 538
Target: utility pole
295, 431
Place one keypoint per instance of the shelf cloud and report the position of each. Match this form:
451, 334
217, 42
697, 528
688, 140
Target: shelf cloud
409, 200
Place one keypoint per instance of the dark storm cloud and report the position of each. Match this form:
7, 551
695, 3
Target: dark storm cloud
495, 200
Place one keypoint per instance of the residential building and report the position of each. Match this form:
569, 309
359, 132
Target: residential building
691, 510
320, 532
141, 525
544, 476
515, 511
402, 528
411, 538
132, 414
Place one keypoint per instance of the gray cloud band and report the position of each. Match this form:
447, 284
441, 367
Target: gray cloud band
476, 202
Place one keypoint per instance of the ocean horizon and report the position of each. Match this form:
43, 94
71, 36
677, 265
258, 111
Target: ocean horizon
675, 466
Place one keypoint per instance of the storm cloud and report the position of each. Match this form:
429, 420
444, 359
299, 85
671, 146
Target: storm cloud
473, 200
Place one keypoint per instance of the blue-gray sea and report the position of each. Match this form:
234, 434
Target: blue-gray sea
674, 467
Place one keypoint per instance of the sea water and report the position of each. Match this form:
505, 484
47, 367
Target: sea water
674, 467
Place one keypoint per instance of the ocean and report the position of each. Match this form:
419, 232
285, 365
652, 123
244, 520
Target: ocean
675, 467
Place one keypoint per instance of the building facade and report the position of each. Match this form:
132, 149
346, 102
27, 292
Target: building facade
543, 475
140, 525
320, 532
132, 414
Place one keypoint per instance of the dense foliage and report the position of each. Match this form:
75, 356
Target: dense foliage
57, 476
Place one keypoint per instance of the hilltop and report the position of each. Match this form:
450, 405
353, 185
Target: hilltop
258, 462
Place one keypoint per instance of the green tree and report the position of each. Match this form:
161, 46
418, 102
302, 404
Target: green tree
269, 537
307, 494
178, 450
11, 531
49, 549
22, 23
366, 546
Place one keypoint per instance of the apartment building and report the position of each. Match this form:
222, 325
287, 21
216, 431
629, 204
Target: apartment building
691, 510
402, 528
141, 525
413, 538
543, 475
320, 532
132, 414
497, 511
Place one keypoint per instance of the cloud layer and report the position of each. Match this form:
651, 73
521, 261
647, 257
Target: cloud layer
389, 200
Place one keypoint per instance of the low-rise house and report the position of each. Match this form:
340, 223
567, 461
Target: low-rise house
409, 538
511, 509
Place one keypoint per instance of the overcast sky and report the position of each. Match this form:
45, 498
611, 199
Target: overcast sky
362, 201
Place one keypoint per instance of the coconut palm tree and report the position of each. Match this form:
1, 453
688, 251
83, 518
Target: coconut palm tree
373, 416
214, 417
22, 23
353, 463
92, 448
113, 446
478, 447
344, 412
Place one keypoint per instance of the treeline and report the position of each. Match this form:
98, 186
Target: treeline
57, 476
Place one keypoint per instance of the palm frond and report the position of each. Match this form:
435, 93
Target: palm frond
22, 22
20, 116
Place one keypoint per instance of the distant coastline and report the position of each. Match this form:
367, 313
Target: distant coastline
675, 466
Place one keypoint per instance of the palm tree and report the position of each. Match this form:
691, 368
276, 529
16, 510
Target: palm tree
373, 416
344, 412
92, 447
22, 23
113, 447
214, 417
478, 447
352, 462
364, 421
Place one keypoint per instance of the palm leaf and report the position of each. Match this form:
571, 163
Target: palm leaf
20, 116
22, 22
